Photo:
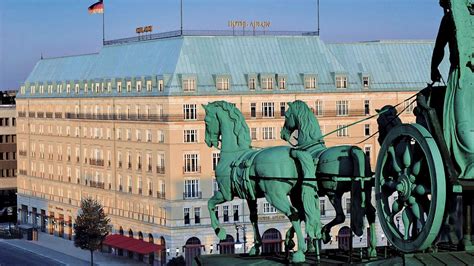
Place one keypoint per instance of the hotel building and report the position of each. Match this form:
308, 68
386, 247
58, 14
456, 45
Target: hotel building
125, 126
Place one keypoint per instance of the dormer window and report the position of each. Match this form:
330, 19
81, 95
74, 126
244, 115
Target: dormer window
68, 88
161, 85
32, 89
119, 86
86, 88
252, 83
267, 83
189, 84
341, 82
109, 86
76, 88
138, 86
365, 82
97, 87
129, 86
42, 89
310, 82
223, 83
282, 83
148, 85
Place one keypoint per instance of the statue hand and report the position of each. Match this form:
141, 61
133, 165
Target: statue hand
435, 75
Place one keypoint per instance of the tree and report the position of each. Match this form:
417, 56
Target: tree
91, 226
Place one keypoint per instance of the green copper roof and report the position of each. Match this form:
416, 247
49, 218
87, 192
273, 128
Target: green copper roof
390, 65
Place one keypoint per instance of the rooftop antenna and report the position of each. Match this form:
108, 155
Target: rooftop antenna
41, 55
319, 30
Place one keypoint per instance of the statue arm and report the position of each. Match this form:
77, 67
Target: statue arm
438, 51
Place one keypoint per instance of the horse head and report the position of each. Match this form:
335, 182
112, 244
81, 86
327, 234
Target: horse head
300, 117
386, 121
290, 124
212, 126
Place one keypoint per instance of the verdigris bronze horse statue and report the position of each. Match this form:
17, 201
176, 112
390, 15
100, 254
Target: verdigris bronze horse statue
339, 170
250, 174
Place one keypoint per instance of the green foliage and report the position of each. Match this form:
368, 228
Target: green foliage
91, 225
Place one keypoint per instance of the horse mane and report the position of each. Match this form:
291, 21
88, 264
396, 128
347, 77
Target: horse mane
307, 121
241, 129
386, 121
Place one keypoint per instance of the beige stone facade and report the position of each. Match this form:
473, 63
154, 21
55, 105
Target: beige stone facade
8, 154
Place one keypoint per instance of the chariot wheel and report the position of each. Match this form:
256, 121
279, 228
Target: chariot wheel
410, 187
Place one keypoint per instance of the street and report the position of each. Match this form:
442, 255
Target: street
10, 255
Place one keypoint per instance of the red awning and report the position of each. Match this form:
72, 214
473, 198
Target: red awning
131, 244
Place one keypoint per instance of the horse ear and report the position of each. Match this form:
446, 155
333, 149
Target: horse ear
289, 104
204, 106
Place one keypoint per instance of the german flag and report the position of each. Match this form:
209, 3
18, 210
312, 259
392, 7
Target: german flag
97, 8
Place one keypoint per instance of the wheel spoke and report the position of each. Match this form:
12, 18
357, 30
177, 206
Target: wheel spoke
421, 190
406, 223
415, 208
407, 155
396, 167
415, 170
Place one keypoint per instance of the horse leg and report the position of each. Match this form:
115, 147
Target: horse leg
218, 198
275, 197
257, 240
289, 243
371, 215
312, 214
340, 217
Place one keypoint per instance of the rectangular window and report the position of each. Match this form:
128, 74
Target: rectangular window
252, 84
253, 110
318, 108
189, 111
191, 163
186, 215
119, 86
366, 107
161, 85
282, 83
268, 208
409, 107
129, 86
267, 83
368, 151
197, 215
282, 109
189, 84
342, 108
190, 136
76, 88
148, 85
310, 82
268, 133
342, 131
223, 83
322, 207
191, 189
341, 82
253, 133
216, 156
226, 213
268, 109
235, 208
160, 163
367, 130
365, 82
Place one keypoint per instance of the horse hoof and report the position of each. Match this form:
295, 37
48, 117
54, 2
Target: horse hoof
372, 253
221, 234
254, 251
298, 257
326, 237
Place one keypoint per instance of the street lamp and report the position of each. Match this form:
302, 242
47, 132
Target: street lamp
238, 244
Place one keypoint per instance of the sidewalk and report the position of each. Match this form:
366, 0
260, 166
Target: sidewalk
65, 252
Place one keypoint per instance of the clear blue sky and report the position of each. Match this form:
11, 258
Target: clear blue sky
64, 27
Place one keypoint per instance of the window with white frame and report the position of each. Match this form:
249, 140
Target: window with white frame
252, 83
282, 83
342, 108
341, 82
348, 205
409, 107
268, 109
365, 82
368, 151
318, 108
119, 86
268, 133
149, 136
68, 88
189, 84
160, 136
148, 85
191, 163
190, 135
267, 83
138, 86
186, 215
253, 133
197, 215
268, 208
366, 107
189, 112
191, 188
160, 163
86, 87
342, 131
235, 209
216, 156
223, 83
129, 86
76, 88
109, 87
161, 85
310, 82
253, 110
225, 211
322, 207
367, 130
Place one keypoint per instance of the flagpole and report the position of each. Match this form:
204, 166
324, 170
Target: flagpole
103, 23
181, 10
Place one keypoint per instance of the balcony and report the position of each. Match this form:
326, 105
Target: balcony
49, 115
58, 115
160, 170
150, 168
191, 170
150, 192
22, 152
96, 162
97, 184
195, 195
21, 114
23, 172
120, 188
161, 195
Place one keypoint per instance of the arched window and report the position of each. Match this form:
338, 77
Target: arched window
192, 249
271, 241
227, 246
344, 238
